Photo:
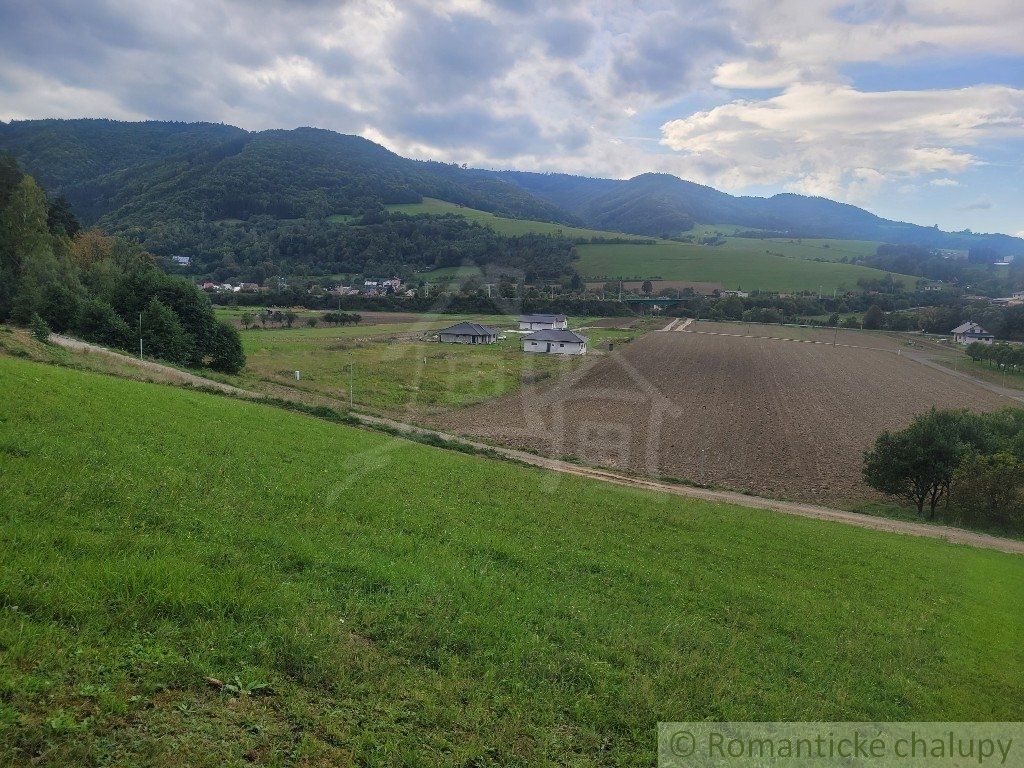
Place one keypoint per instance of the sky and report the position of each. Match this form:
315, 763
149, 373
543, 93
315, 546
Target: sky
913, 109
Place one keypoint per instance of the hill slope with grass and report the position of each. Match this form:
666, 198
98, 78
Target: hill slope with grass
359, 599
660, 204
767, 264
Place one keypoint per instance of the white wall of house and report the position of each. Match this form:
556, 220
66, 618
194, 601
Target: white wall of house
963, 338
555, 347
524, 326
465, 338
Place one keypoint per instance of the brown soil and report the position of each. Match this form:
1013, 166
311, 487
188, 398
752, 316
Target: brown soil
733, 406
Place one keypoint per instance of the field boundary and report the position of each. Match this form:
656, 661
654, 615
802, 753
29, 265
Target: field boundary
799, 509
946, 533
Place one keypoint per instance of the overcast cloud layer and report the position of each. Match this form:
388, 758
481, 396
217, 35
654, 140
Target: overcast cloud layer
914, 108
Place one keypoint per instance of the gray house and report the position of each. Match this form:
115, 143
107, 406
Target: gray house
542, 322
467, 333
968, 333
555, 342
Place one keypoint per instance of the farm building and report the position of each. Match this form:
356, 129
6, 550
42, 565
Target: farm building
467, 333
968, 333
555, 342
542, 322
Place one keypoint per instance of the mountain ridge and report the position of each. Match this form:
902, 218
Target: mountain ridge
130, 176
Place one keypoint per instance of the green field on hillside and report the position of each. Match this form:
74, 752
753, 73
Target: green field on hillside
770, 264
394, 367
371, 601
500, 223
740, 263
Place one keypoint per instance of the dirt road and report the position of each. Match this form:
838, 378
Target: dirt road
946, 533
952, 535
166, 372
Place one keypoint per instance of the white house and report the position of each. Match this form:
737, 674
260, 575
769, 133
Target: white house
182, 261
543, 322
968, 333
468, 333
555, 342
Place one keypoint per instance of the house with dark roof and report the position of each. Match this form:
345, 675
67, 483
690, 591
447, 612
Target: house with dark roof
555, 342
968, 333
542, 322
467, 333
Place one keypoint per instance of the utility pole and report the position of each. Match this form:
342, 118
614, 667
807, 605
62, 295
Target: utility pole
140, 336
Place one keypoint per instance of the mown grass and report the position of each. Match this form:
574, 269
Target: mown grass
740, 263
377, 602
501, 224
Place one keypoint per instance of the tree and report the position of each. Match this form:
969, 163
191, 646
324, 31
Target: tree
289, 317
988, 489
647, 287
874, 318
311, 322
918, 462
247, 319
101, 324
40, 329
163, 335
225, 349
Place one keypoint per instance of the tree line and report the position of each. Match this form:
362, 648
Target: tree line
955, 466
99, 288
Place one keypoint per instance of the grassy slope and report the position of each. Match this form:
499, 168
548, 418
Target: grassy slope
410, 605
501, 224
739, 263
806, 264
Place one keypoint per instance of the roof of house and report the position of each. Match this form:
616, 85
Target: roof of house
970, 328
469, 329
555, 335
542, 318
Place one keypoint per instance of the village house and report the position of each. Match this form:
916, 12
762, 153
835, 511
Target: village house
542, 322
968, 333
467, 333
182, 261
555, 342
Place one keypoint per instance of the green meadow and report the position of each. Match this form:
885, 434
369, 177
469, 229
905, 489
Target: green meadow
501, 224
740, 263
193, 580
394, 367
770, 264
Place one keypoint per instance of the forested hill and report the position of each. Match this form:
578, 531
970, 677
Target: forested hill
662, 204
162, 182
138, 175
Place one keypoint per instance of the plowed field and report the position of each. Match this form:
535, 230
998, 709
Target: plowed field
728, 405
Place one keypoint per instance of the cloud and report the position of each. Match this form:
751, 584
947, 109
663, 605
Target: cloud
981, 204
668, 53
761, 90
834, 140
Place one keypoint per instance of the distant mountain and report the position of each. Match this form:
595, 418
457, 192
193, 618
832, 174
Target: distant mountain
661, 204
127, 175
143, 179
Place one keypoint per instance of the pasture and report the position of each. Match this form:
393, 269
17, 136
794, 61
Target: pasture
393, 367
769, 264
751, 408
739, 264
502, 225
357, 599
